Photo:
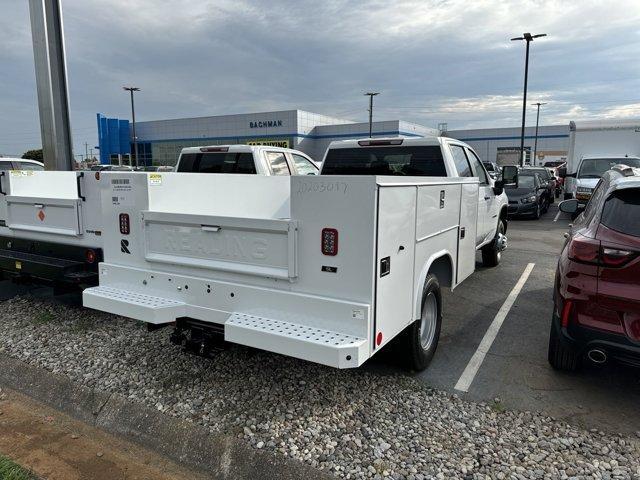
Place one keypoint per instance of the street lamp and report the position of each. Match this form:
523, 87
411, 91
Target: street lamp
528, 38
535, 145
371, 95
133, 118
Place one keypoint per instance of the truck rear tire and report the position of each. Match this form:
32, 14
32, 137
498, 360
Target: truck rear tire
421, 337
491, 253
561, 357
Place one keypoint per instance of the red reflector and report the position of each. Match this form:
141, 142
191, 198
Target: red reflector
329, 241
584, 250
379, 339
214, 149
566, 311
373, 143
613, 257
90, 256
124, 224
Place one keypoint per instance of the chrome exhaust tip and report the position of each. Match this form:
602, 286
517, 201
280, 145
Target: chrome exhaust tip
597, 356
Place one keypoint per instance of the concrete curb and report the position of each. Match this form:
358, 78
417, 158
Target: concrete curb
218, 455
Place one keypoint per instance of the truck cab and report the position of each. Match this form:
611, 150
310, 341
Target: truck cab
245, 159
428, 157
590, 169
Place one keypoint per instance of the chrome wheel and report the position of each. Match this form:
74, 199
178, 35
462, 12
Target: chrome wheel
428, 321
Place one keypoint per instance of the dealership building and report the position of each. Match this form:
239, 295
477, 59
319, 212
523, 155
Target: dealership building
160, 141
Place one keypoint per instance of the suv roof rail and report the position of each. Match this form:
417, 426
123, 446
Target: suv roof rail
626, 170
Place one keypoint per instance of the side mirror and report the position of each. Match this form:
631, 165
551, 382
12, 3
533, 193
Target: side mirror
569, 206
571, 175
562, 172
510, 174
498, 187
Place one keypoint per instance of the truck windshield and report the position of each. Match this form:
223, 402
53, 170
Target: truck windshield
596, 167
424, 161
217, 162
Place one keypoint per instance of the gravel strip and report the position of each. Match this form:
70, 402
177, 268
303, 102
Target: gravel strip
354, 423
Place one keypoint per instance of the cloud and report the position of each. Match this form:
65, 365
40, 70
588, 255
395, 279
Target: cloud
434, 61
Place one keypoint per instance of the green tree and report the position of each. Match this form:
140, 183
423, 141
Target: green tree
35, 154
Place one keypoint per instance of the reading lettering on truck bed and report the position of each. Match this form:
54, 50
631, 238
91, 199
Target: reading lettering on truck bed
325, 268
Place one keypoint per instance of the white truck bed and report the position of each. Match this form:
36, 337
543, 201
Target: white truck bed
244, 252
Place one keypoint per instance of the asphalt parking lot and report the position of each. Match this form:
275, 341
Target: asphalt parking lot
515, 368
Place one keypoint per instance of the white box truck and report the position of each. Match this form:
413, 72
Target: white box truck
327, 268
594, 148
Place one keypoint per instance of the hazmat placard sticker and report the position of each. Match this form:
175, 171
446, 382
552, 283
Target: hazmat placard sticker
155, 179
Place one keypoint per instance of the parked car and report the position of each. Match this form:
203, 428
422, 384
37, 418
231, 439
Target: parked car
597, 294
528, 196
7, 163
548, 179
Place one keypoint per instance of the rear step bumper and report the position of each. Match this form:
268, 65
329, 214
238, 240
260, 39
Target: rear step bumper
335, 349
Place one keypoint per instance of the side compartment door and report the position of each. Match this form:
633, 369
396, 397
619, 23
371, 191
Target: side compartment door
467, 231
395, 259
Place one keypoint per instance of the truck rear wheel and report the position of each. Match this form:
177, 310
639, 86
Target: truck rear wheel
492, 252
421, 337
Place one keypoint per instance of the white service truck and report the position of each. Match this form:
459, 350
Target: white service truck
327, 268
594, 148
51, 222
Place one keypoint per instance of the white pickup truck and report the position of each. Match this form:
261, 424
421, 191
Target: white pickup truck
51, 222
327, 268
249, 159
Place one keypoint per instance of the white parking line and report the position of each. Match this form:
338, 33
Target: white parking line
557, 216
465, 380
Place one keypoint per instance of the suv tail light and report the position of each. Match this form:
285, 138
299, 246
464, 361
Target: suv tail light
584, 250
588, 250
614, 257
329, 241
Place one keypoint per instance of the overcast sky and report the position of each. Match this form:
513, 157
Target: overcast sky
432, 60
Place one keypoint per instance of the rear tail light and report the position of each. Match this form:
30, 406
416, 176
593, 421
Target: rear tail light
587, 250
584, 250
90, 256
329, 241
614, 257
125, 227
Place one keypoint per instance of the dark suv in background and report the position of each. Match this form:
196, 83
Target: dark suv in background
548, 179
596, 296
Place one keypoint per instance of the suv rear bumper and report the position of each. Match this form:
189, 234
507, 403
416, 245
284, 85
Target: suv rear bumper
583, 339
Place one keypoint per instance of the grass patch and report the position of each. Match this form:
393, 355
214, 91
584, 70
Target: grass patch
42, 318
12, 471
498, 407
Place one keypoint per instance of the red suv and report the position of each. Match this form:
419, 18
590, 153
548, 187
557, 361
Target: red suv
597, 288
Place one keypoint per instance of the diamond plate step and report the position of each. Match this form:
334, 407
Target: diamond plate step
148, 308
331, 348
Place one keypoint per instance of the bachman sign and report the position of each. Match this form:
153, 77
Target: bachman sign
265, 124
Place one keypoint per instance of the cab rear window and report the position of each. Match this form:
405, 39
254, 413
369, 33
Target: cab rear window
424, 161
217, 162
621, 211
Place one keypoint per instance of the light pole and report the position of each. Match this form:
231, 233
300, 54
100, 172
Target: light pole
133, 118
528, 38
371, 95
535, 144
